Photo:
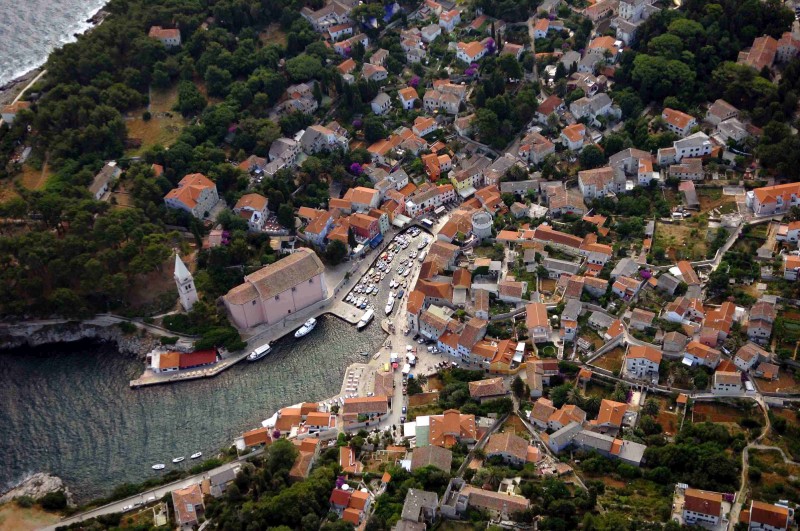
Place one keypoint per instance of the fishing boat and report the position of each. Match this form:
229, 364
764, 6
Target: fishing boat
306, 328
365, 319
196, 455
159, 466
178, 459
259, 353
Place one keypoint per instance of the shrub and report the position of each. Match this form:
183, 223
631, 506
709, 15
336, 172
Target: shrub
127, 328
25, 501
53, 501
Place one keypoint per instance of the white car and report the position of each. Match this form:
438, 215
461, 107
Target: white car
127, 508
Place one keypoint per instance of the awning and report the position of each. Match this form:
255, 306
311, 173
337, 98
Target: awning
687, 361
374, 242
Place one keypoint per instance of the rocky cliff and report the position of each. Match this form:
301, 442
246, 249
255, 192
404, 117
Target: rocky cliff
32, 335
37, 486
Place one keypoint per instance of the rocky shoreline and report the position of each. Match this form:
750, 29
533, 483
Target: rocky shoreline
37, 486
138, 343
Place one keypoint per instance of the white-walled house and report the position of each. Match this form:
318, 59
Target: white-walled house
195, 194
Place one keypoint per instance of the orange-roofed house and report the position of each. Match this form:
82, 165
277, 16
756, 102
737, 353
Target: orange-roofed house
195, 194
416, 303
407, 98
347, 66
363, 199
470, 52
702, 506
572, 136
9, 112
364, 411
364, 226
761, 54
253, 208
770, 200
767, 517
700, 354
611, 414
348, 461
550, 105
449, 20
537, 322
424, 125
791, 267
450, 428
257, 437
188, 505
678, 122
169, 37
642, 362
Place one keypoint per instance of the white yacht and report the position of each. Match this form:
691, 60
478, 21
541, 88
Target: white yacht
178, 459
306, 328
196, 455
365, 319
159, 466
259, 353
390, 304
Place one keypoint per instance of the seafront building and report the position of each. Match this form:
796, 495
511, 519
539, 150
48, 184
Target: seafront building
277, 290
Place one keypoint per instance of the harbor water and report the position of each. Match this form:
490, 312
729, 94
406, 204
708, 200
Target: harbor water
67, 408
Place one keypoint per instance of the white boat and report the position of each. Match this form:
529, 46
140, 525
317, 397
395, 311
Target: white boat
196, 455
389, 305
178, 459
365, 319
306, 328
159, 466
259, 353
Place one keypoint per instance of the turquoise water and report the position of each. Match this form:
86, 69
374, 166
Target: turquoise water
67, 409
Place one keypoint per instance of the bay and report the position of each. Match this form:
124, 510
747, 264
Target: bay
67, 408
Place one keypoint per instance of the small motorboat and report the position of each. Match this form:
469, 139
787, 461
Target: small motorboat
159, 466
178, 459
196, 455
307, 327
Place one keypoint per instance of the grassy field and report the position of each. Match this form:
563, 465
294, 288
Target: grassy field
611, 361
165, 125
711, 198
7, 190
681, 241
273, 35
643, 498
16, 518
33, 179
601, 391
515, 425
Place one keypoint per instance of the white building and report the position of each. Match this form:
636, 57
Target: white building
642, 362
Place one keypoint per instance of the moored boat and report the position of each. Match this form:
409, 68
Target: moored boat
159, 466
259, 353
196, 455
307, 327
178, 459
365, 319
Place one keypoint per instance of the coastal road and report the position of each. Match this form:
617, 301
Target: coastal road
158, 493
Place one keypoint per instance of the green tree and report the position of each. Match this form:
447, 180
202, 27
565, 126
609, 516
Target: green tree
591, 157
335, 252
190, 100
374, 128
